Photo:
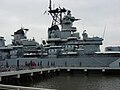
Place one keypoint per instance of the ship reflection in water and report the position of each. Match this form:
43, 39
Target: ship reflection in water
80, 82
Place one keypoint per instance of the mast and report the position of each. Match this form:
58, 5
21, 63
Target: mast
56, 14
50, 5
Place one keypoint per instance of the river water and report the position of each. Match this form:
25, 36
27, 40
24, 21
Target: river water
80, 82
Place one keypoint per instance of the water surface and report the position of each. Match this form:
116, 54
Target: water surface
80, 82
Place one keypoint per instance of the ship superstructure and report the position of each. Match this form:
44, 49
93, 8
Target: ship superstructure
63, 38
29, 47
64, 46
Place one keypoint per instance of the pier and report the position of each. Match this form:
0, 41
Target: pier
47, 71
90, 68
104, 70
31, 72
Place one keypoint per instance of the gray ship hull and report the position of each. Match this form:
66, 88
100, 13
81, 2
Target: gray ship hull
80, 61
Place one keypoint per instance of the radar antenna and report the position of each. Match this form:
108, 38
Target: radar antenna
24, 29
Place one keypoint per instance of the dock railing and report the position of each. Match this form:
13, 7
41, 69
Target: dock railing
11, 87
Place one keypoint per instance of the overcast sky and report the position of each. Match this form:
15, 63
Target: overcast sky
94, 14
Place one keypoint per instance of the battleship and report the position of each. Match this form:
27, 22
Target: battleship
64, 46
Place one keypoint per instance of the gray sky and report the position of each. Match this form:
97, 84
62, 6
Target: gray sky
94, 14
